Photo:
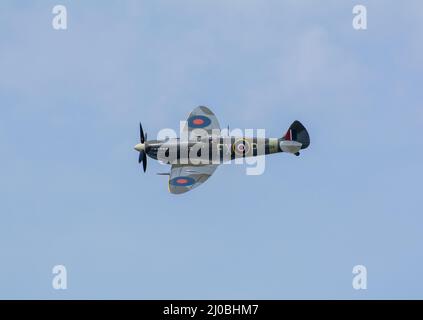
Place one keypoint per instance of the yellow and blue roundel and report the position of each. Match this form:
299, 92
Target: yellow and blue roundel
198, 121
182, 181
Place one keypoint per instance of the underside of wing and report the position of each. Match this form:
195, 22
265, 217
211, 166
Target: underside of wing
184, 178
203, 118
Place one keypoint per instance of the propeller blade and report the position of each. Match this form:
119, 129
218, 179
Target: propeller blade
144, 161
141, 134
142, 156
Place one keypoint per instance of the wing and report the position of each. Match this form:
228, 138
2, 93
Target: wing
184, 178
202, 118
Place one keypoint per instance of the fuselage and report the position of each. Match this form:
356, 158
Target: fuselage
209, 150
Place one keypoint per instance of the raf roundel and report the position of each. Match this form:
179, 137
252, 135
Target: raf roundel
241, 146
182, 181
199, 121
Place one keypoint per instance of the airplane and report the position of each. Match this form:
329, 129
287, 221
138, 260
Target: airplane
194, 159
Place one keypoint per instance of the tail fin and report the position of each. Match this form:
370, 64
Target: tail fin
297, 132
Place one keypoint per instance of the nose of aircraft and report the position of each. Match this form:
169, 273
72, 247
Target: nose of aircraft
139, 147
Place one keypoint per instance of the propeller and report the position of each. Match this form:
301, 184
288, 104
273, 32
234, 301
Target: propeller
141, 134
141, 148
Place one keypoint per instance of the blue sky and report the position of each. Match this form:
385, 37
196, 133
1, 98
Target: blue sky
72, 192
